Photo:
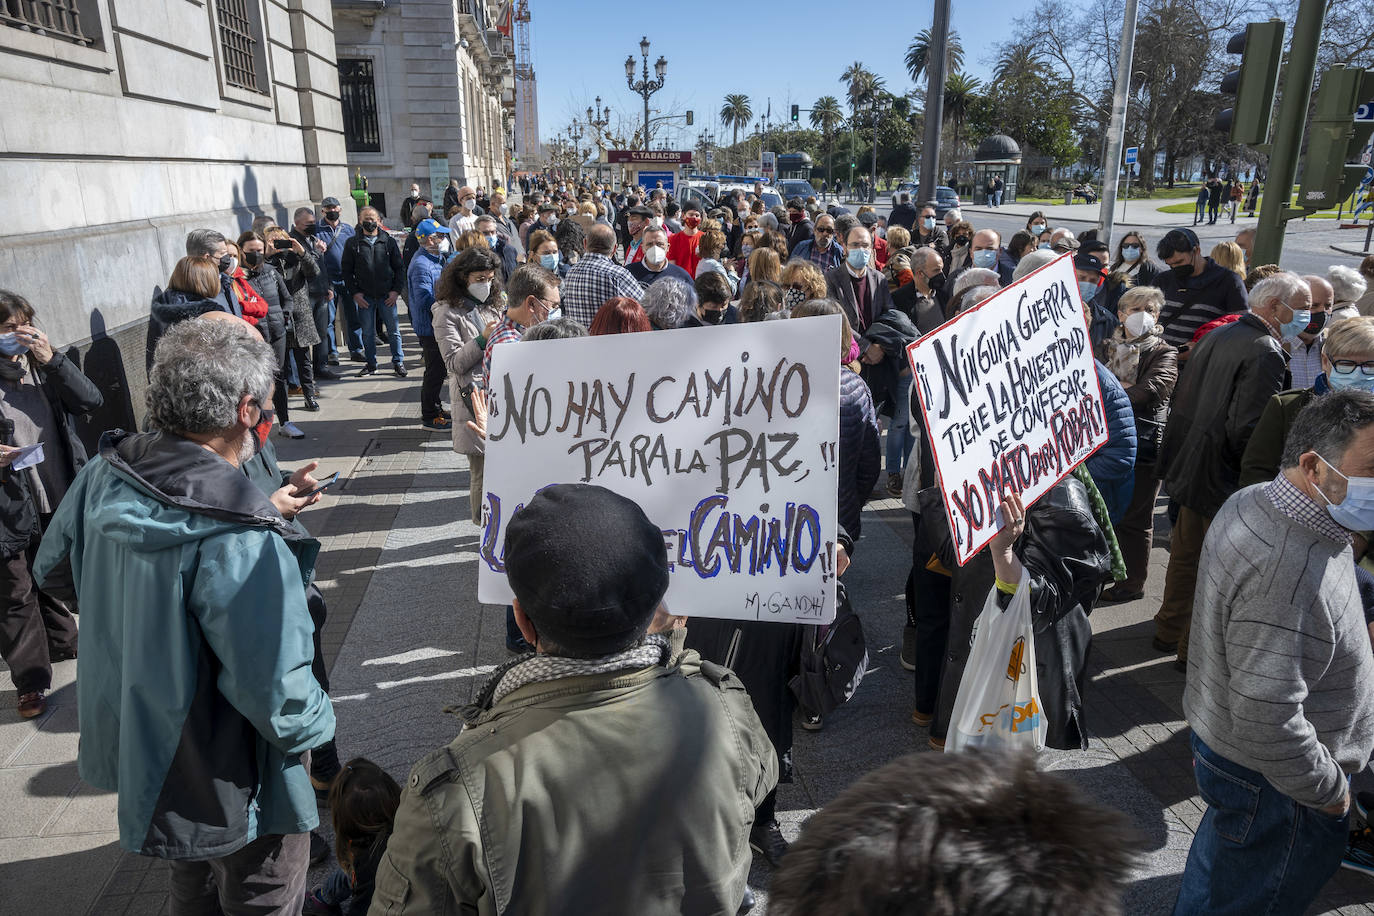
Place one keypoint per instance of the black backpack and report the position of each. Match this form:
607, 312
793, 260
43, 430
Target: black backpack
834, 659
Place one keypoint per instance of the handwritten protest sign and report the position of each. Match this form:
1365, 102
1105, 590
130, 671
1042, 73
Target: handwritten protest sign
725, 436
1010, 399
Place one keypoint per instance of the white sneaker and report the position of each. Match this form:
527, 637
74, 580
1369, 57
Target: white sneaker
290, 431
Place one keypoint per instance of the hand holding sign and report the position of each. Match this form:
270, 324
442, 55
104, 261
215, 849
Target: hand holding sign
1010, 399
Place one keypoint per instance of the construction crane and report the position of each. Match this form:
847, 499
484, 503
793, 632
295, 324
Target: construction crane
526, 100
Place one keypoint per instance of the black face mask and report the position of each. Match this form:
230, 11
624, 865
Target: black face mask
309, 230
225, 262
369, 226
712, 316
1183, 271
936, 282
1316, 324
961, 240
332, 215
252, 258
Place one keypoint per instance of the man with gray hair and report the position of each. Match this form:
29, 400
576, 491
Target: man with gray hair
1221, 392
668, 303
200, 706
1280, 692
596, 278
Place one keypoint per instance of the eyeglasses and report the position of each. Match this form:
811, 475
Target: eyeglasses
548, 306
1348, 366
824, 230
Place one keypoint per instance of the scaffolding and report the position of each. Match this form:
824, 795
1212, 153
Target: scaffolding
526, 98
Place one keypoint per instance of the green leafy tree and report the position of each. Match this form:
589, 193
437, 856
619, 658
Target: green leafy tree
736, 113
827, 116
918, 54
960, 92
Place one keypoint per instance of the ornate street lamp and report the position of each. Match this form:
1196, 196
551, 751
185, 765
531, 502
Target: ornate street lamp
645, 86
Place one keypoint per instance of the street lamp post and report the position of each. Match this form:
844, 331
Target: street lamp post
645, 86
598, 118
575, 134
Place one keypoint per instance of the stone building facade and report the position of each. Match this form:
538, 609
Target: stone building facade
127, 123
428, 91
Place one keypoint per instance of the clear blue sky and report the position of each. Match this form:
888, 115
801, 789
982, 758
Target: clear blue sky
715, 47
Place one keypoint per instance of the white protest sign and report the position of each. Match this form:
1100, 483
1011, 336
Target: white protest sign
1010, 398
725, 436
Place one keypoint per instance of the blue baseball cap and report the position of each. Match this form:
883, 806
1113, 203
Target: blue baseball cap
428, 227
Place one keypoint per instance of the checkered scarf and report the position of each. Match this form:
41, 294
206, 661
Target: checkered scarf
537, 668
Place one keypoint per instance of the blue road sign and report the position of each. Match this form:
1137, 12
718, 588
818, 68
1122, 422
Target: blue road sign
1132, 152
1365, 112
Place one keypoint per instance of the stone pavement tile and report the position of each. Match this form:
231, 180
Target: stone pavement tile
32, 796
90, 809
49, 876
54, 741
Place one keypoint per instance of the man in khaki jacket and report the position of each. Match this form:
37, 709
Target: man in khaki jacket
604, 774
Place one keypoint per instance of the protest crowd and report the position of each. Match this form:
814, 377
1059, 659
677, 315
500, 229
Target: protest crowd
625, 758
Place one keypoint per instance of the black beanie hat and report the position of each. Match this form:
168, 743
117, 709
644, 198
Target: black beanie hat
588, 567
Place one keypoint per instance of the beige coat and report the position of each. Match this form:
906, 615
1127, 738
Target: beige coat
456, 329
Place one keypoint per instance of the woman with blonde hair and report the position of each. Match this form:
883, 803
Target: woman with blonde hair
801, 280
764, 264
1231, 256
710, 249
897, 237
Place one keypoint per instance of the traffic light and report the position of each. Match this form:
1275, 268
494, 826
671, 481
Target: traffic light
689, 117
1261, 49
795, 112
1335, 138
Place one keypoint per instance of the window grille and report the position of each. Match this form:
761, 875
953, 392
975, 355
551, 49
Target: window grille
238, 45
358, 97
58, 18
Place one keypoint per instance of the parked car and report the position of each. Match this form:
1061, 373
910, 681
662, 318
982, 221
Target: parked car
905, 187
946, 199
796, 187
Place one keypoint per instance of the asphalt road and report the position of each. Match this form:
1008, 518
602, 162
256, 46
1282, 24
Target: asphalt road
1307, 245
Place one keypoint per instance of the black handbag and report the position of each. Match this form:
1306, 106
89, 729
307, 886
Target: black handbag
834, 659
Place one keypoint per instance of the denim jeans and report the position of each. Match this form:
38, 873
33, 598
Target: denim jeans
353, 329
324, 324
368, 318
336, 889
899, 438
1257, 851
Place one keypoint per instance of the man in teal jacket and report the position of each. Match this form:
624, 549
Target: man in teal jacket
197, 700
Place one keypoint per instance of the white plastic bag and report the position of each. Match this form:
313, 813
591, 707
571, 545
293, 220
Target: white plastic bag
998, 705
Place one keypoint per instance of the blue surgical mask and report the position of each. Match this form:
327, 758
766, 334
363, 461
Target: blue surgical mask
858, 258
928, 223
1354, 380
491, 240
985, 257
10, 345
1037, 228
1043, 246
1294, 326
549, 261
1130, 253
1356, 511
1087, 289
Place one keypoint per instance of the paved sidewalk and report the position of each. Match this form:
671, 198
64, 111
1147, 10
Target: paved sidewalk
408, 638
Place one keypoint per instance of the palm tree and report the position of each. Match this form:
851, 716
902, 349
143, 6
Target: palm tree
918, 54
960, 90
1019, 62
736, 113
826, 116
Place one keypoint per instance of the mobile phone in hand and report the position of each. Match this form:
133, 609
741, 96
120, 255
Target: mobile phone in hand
281, 244
321, 486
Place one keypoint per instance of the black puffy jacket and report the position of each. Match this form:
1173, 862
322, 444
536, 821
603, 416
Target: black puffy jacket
1067, 558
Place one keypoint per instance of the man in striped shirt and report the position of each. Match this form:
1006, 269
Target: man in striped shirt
1196, 288
1280, 692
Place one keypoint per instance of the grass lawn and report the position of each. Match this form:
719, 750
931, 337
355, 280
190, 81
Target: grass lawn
1188, 208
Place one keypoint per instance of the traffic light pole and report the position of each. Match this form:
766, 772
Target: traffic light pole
936, 67
1277, 209
1116, 130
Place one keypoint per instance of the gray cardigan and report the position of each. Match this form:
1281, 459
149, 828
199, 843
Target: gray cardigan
1280, 671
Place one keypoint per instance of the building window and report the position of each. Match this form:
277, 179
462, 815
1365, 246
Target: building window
57, 18
238, 43
358, 96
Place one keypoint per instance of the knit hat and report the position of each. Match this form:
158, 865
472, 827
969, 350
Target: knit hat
588, 567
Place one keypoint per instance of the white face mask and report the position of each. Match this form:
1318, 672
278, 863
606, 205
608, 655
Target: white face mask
1138, 324
654, 255
480, 291
444, 246
414, 193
